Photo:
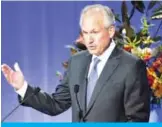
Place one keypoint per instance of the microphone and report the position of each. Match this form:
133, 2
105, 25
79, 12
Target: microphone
76, 90
10, 113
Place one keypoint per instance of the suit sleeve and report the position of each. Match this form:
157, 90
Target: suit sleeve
51, 104
136, 94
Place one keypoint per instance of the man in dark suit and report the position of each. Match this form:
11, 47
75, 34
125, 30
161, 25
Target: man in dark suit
103, 84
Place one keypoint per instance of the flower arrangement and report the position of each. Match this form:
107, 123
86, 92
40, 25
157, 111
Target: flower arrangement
149, 50
145, 45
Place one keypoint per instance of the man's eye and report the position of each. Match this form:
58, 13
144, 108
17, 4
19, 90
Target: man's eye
84, 32
95, 32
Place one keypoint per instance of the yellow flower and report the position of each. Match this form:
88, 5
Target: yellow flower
157, 87
147, 40
151, 71
155, 84
146, 53
158, 91
137, 51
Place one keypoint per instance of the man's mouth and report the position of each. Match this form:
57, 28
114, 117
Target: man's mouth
92, 47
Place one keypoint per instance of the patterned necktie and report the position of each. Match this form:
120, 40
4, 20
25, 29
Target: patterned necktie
93, 77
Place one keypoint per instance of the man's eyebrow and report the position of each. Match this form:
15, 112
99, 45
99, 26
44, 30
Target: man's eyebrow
90, 31
83, 31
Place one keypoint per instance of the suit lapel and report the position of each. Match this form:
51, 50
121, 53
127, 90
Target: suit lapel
108, 70
83, 72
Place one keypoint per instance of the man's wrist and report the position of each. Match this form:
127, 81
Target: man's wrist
22, 90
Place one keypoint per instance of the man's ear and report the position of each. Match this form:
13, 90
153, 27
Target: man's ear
111, 31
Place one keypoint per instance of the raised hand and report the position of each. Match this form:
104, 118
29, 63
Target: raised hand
14, 78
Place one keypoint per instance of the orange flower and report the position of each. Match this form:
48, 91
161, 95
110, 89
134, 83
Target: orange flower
151, 71
158, 91
160, 69
146, 57
147, 54
155, 85
150, 80
128, 48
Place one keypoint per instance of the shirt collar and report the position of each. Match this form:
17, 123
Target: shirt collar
106, 54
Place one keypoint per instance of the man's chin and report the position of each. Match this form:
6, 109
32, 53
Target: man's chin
93, 52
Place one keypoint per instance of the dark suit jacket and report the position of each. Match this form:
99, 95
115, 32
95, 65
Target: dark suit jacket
121, 92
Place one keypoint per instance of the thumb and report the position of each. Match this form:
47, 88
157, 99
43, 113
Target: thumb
16, 67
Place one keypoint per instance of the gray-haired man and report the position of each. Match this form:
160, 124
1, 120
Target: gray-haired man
102, 84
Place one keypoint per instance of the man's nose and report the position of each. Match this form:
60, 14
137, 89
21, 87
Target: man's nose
90, 39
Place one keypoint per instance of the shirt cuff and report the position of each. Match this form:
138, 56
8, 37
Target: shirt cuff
22, 90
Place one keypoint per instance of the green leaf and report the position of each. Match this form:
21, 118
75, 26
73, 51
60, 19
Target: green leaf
151, 4
124, 11
157, 15
117, 18
157, 9
139, 5
158, 38
160, 48
72, 49
130, 32
132, 13
59, 74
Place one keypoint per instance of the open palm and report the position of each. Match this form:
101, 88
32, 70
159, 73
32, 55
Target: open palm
14, 78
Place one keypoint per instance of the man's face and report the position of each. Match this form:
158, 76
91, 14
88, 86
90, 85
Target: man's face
96, 36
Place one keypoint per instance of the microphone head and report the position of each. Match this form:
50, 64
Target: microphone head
76, 88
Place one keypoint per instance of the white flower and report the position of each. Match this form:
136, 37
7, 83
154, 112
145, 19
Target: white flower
124, 32
137, 51
146, 50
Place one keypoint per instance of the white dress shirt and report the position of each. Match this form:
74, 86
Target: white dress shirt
103, 59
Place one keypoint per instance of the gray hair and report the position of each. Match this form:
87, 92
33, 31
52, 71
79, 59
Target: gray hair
109, 17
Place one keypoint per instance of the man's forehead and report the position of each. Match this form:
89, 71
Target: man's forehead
93, 21
93, 13
93, 17
91, 27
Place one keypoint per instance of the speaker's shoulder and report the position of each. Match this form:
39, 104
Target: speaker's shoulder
129, 56
81, 54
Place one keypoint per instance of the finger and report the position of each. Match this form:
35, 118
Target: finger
6, 69
16, 67
5, 74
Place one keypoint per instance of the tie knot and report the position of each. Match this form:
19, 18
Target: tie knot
95, 62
